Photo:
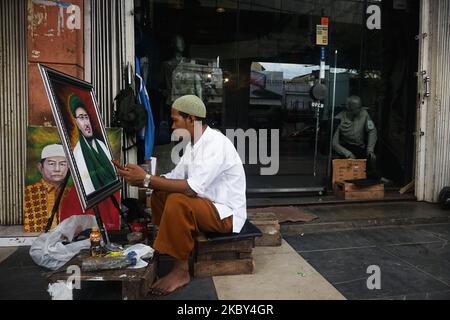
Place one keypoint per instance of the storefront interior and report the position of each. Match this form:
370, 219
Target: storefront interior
254, 63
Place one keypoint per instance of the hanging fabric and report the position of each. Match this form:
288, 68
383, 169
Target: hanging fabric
148, 132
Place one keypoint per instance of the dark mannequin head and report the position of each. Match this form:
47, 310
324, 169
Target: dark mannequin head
354, 105
178, 44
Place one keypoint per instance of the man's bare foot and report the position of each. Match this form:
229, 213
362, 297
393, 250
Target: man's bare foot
178, 277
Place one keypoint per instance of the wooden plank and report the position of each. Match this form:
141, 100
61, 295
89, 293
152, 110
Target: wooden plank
245, 245
149, 277
269, 228
225, 267
228, 255
138, 288
104, 275
261, 216
369, 195
245, 255
269, 240
408, 187
350, 187
131, 290
350, 191
268, 224
271, 235
99, 276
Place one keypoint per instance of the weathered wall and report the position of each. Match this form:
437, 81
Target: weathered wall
13, 108
55, 38
433, 142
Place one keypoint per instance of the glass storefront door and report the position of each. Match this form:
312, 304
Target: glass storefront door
255, 64
281, 99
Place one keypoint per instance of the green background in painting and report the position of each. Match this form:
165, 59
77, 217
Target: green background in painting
39, 137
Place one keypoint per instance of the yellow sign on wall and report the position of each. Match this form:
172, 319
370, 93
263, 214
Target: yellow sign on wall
321, 35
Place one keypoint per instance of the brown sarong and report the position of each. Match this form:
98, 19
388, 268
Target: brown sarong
179, 217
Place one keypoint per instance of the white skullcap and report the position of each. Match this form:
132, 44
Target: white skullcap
52, 150
190, 104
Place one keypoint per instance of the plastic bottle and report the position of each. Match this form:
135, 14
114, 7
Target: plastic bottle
95, 237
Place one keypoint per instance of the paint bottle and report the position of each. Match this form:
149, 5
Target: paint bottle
96, 238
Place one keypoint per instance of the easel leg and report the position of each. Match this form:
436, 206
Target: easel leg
108, 245
116, 204
57, 203
101, 227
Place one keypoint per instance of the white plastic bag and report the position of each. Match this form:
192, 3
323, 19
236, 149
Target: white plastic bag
48, 250
60, 291
142, 252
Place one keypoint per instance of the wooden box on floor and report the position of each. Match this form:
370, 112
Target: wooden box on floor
217, 258
349, 191
348, 169
267, 222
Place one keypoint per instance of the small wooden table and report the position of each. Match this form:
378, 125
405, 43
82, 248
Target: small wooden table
135, 282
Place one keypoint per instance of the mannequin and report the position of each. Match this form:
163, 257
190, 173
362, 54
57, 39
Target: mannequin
356, 135
177, 46
176, 76
176, 79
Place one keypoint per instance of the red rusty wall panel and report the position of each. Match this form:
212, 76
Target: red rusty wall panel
49, 37
39, 110
56, 39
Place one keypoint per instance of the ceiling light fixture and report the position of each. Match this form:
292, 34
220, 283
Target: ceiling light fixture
219, 9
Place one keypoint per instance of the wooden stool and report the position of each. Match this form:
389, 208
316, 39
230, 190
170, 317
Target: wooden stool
217, 254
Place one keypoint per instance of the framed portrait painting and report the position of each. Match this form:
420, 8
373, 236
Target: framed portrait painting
83, 136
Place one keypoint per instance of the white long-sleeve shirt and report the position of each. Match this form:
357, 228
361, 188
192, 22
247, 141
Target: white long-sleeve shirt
214, 171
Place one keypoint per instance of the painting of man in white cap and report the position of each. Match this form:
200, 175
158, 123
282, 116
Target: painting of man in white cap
41, 195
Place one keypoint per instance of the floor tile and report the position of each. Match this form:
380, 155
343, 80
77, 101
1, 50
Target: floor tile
433, 259
376, 211
26, 283
198, 289
441, 230
441, 295
21, 258
6, 252
397, 235
283, 275
265, 250
347, 271
328, 240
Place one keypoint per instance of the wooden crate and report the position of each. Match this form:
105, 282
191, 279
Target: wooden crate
348, 169
347, 191
217, 258
267, 222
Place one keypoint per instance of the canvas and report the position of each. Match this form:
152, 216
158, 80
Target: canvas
83, 136
44, 178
